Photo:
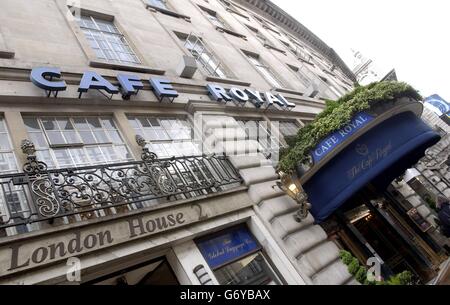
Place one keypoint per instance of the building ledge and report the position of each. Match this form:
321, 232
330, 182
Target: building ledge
125, 67
7, 54
237, 13
105, 219
168, 12
228, 81
306, 61
269, 46
231, 32
284, 90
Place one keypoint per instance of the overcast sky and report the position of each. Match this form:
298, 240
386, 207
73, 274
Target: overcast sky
411, 36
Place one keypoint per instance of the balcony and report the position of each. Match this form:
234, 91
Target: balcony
40, 197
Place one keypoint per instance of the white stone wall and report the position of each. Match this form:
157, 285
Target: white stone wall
315, 258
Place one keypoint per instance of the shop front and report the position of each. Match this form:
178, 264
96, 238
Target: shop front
349, 187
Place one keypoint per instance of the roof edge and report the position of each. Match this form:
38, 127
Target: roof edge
277, 15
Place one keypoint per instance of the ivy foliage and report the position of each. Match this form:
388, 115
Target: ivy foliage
339, 113
360, 272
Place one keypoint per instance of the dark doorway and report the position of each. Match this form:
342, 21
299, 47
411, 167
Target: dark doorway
154, 272
370, 226
161, 275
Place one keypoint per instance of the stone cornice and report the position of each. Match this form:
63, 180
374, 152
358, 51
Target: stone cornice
275, 14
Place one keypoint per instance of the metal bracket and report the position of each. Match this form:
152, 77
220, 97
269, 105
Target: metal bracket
49, 92
161, 99
101, 92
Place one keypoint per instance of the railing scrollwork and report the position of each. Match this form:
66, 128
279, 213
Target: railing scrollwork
41, 186
70, 194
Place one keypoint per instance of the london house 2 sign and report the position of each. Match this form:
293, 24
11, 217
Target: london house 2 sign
50, 80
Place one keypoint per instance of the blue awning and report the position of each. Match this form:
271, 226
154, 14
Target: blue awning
378, 156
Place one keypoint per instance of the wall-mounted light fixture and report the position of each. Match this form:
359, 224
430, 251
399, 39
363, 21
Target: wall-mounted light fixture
291, 185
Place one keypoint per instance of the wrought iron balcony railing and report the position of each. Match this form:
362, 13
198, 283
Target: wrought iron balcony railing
41, 197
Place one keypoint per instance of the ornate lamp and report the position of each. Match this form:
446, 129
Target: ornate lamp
290, 184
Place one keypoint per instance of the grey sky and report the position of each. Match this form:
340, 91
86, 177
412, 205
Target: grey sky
411, 36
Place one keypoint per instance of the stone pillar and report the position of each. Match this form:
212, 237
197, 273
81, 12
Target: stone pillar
128, 133
18, 132
315, 258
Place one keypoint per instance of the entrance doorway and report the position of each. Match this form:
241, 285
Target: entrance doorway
155, 272
369, 225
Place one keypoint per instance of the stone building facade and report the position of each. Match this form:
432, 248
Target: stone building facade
79, 217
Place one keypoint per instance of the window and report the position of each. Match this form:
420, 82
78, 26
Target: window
107, 41
236, 258
331, 87
76, 141
287, 132
258, 131
302, 74
13, 204
214, 18
7, 159
299, 51
287, 128
207, 60
158, 3
258, 35
264, 70
167, 136
236, 9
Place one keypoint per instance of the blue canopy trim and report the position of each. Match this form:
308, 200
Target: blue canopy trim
378, 156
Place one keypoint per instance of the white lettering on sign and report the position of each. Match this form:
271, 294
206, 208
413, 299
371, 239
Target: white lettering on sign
50, 79
334, 139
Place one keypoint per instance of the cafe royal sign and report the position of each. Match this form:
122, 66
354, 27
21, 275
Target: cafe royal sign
51, 81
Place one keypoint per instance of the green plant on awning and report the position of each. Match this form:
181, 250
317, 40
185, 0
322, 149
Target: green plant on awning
339, 113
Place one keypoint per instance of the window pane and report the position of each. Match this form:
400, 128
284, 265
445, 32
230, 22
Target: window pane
150, 134
115, 136
144, 122
63, 157
44, 156
171, 149
64, 124
2, 126
32, 124
108, 123
87, 137
7, 162
94, 123
4, 142
123, 153
101, 136
165, 123
49, 124
55, 137
79, 156
133, 122
250, 270
95, 154
110, 153
81, 124
158, 3
71, 137
158, 149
